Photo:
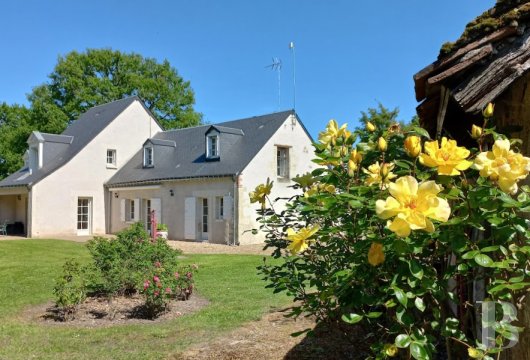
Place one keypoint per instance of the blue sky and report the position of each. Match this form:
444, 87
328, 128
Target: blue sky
350, 55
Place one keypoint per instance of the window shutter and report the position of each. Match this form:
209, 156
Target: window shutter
136, 209
156, 205
189, 218
122, 210
228, 205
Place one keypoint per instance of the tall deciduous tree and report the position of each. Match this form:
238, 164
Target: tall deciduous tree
83, 80
80, 81
14, 131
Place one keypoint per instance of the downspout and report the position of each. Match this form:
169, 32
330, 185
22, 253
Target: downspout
236, 210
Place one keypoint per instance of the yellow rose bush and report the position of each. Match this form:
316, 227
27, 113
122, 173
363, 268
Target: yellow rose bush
393, 236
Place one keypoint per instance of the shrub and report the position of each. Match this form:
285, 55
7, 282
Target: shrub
404, 238
163, 283
161, 227
122, 262
69, 289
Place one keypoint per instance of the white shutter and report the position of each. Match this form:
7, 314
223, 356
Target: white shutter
227, 204
156, 205
189, 218
122, 210
136, 209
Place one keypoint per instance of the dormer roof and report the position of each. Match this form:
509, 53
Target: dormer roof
224, 129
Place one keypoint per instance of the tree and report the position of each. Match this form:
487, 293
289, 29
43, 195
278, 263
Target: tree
80, 81
83, 80
14, 131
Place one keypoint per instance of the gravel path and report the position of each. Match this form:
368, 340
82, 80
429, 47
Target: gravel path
190, 247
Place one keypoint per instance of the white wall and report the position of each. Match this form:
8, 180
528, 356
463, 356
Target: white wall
263, 166
54, 199
173, 206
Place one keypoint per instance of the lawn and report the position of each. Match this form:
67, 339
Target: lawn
28, 269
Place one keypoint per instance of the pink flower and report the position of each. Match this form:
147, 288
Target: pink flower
146, 284
156, 279
157, 293
157, 264
177, 275
189, 275
168, 290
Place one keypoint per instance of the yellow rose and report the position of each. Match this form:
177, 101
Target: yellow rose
370, 127
488, 110
391, 350
412, 205
260, 193
449, 158
474, 353
381, 144
476, 131
379, 174
353, 162
332, 132
376, 256
413, 146
299, 240
503, 165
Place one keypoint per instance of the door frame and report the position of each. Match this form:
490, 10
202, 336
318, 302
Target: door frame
88, 230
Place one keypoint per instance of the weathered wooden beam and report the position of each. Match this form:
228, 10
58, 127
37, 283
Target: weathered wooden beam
484, 86
466, 62
444, 100
421, 77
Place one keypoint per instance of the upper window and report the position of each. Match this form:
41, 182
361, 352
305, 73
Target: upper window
111, 158
212, 146
148, 157
282, 162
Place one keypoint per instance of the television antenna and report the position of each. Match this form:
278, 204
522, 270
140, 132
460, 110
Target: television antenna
277, 66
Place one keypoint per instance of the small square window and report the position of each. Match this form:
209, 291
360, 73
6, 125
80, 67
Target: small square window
148, 157
111, 158
282, 162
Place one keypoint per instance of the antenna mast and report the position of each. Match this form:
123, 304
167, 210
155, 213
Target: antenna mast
277, 66
291, 47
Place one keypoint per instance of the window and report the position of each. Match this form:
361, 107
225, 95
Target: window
148, 157
131, 210
219, 208
111, 158
282, 162
212, 146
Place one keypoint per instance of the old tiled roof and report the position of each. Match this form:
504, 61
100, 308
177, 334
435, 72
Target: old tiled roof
493, 52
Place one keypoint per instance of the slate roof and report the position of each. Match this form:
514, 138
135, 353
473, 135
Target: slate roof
78, 134
187, 159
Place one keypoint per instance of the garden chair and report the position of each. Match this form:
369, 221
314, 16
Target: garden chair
3, 228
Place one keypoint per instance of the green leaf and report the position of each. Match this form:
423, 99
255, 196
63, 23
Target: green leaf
470, 254
400, 296
484, 260
374, 314
419, 304
352, 318
402, 341
421, 131
418, 351
416, 269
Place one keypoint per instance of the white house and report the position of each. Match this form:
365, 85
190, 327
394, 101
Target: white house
114, 165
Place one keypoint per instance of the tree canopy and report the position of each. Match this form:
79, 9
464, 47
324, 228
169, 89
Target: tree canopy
81, 80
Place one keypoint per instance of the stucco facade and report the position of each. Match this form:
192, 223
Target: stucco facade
291, 135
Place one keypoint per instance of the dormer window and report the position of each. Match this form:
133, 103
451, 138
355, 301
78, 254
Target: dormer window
212, 146
148, 156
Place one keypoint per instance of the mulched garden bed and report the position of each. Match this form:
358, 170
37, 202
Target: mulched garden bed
123, 310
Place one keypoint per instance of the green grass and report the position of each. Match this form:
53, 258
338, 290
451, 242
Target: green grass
28, 269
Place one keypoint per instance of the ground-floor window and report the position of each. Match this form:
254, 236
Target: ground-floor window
219, 208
